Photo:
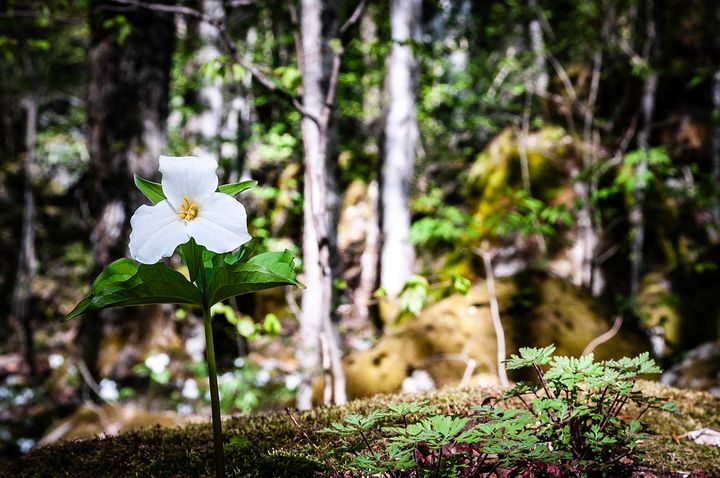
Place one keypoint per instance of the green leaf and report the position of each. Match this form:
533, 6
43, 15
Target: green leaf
234, 189
193, 255
125, 284
264, 271
153, 191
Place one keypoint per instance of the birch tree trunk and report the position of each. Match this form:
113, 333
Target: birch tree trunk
537, 42
318, 25
127, 113
637, 219
208, 123
401, 135
27, 262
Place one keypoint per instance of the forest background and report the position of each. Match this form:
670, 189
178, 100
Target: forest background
437, 167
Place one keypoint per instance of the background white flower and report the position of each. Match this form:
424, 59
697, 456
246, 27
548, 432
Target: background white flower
109, 390
192, 209
157, 362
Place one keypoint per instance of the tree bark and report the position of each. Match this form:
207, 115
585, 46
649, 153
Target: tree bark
541, 78
206, 125
27, 263
401, 135
716, 130
319, 25
127, 113
637, 219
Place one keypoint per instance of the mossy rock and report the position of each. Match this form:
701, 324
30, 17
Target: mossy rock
536, 310
698, 370
91, 420
498, 168
658, 307
273, 446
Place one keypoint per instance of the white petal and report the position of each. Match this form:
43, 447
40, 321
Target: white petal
156, 232
187, 176
221, 224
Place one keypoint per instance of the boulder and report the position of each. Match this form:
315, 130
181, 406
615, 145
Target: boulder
445, 337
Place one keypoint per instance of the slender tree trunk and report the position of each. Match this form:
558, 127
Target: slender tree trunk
319, 25
541, 78
588, 240
716, 129
401, 135
208, 123
27, 263
127, 107
637, 219
716, 146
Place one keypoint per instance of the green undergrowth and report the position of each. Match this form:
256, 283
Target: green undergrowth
272, 445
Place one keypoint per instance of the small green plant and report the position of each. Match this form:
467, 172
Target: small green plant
569, 423
577, 406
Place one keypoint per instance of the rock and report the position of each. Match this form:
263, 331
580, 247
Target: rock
90, 420
498, 168
536, 311
705, 436
658, 309
699, 370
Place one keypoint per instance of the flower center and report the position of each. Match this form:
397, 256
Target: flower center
188, 210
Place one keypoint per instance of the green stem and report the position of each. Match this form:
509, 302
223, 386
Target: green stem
214, 396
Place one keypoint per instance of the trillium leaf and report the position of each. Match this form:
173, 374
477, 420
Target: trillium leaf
125, 283
193, 255
153, 191
234, 189
264, 271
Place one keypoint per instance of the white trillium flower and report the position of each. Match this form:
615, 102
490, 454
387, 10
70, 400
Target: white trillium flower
192, 209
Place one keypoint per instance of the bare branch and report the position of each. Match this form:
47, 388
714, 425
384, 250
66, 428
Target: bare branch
356, 15
330, 95
232, 48
601, 339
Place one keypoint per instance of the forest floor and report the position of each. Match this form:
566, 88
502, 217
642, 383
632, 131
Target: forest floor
271, 445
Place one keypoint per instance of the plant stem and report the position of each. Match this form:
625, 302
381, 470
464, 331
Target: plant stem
214, 396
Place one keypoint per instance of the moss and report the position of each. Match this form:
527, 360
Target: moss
498, 168
536, 310
271, 446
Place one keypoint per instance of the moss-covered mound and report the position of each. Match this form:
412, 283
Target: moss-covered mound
536, 310
272, 446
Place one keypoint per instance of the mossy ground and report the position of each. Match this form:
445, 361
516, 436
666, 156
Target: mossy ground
272, 446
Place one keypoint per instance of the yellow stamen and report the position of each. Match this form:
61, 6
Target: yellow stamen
188, 210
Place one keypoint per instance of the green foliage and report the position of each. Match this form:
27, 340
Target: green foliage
217, 276
527, 215
414, 295
577, 406
442, 225
125, 283
571, 427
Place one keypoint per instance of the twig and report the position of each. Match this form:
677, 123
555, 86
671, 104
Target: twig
307, 438
88, 378
601, 339
495, 313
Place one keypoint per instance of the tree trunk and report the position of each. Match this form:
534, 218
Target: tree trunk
716, 130
319, 25
716, 146
637, 219
401, 135
207, 124
127, 112
537, 42
27, 263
